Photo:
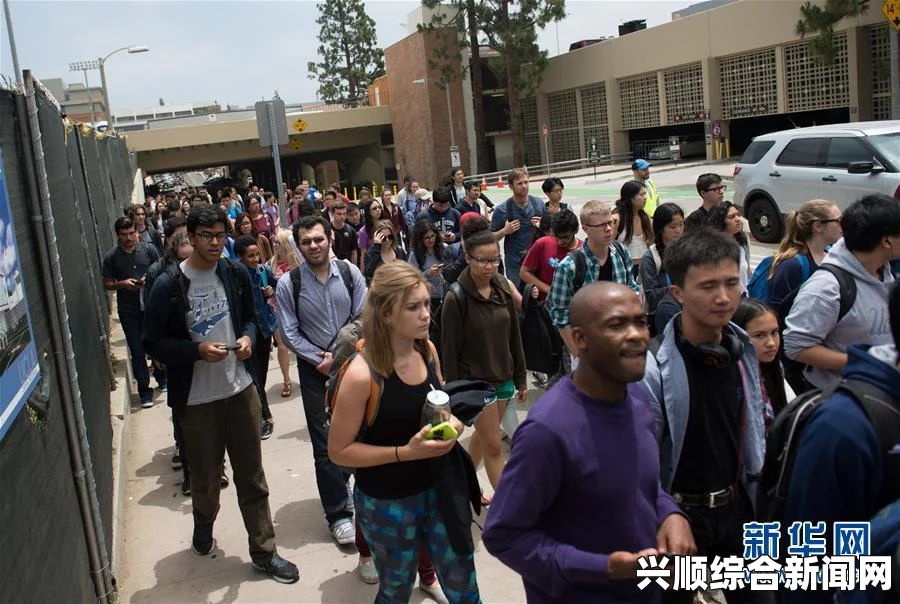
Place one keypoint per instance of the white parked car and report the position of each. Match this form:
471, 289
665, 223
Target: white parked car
842, 163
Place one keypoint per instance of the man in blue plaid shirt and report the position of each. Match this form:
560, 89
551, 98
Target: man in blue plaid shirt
604, 260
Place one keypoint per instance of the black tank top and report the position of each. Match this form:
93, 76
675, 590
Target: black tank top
399, 417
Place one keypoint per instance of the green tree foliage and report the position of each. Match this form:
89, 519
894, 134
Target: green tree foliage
349, 56
820, 20
509, 27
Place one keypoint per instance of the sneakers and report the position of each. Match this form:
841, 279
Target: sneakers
279, 569
434, 591
343, 531
146, 403
367, 572
186, 487
162, 387
223, 482
176, 461
266, 430
203, 542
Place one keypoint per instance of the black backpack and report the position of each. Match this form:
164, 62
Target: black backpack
786, 432
581, 264
540, 339
793, 371
436, 323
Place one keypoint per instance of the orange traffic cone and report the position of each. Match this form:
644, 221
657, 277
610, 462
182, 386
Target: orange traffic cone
499, 182
484, 183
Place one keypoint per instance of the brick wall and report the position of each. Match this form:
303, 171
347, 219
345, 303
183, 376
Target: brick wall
419, 111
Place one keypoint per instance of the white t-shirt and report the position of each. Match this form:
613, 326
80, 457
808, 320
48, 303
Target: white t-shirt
209, 320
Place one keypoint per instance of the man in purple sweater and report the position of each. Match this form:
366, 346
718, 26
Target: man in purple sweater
579, 500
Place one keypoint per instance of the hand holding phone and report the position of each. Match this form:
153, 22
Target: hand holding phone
443, 431
229, 347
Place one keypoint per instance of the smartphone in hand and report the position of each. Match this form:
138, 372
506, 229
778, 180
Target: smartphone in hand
231, 347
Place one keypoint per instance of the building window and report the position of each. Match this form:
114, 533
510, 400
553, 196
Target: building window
183, 113
531, 137
749, 84
880, 64
145, 116
812, 84
595, 117
563, 110
639, 98
684, 94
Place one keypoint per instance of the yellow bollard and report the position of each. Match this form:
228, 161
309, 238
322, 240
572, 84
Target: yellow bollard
374, 189
718, 150
727, 147
345, 192
354, 194
395, 190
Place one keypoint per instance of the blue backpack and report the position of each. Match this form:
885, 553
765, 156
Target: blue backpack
758, 286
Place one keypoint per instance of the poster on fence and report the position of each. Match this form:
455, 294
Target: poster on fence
19, 373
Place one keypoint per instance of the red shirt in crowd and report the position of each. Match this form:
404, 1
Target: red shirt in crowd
543, 258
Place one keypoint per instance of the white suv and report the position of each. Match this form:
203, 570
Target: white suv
842, 163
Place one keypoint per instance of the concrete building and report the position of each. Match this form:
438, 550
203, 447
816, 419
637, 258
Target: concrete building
78, 101
129, 120
732, 67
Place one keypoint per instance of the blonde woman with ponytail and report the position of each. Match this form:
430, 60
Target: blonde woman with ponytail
809, 232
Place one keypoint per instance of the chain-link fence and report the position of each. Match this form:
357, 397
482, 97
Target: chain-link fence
46, 530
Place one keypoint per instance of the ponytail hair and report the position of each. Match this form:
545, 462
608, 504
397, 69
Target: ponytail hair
627, 212
799, 230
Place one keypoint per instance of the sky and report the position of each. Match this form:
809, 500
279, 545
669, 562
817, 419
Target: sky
232, 52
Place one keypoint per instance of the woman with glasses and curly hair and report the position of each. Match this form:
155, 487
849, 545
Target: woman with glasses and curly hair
480, 340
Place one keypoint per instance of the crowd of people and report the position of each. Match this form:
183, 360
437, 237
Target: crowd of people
651, 435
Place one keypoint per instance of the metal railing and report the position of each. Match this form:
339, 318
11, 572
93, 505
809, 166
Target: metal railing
572, 167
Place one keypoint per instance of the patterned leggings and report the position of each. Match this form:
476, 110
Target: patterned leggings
394, 528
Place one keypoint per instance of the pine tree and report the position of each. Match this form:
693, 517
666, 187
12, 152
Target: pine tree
510, 28
350, 58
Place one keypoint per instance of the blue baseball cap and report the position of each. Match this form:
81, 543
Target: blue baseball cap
640, 164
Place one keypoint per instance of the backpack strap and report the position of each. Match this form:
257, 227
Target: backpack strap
620, 248
657, 258
376, 389
347, 276
462, 302
847, 286
804, 266
580, 269
295, 286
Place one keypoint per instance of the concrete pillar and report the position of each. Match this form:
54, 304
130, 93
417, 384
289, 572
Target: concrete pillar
859, 74
712, 99
580, 116
780, 79
618, 138
663, 103
468, 113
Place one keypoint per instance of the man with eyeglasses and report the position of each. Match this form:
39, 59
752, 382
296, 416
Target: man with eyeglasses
712, 191
201, 322
314, 302
123, 270
601, 258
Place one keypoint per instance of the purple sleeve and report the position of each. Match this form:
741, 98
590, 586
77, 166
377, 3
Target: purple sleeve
665, 505
528, 487
363, 239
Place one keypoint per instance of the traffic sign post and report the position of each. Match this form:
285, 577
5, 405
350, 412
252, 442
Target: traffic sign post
271, 123
717, 130
455, 159
674, 148
593, 154
546, 131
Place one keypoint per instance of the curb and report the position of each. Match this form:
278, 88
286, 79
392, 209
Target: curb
119, 416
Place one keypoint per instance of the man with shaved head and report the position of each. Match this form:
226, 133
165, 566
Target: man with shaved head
580, 500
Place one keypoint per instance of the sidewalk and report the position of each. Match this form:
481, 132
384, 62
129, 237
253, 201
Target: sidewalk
159, 566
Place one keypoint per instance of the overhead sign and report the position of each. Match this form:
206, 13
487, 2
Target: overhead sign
263, 126
891, 11
546, 131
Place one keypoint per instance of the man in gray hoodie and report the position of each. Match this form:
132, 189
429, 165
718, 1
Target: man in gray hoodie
816, 334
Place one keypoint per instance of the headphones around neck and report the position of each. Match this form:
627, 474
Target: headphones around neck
717, 356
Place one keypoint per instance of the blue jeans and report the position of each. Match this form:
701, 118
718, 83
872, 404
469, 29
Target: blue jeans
132, 325
330, 479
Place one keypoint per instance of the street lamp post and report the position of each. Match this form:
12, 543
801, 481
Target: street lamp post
102, 62
446, 86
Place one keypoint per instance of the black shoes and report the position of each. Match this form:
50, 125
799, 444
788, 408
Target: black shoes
279, 569
203, 542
